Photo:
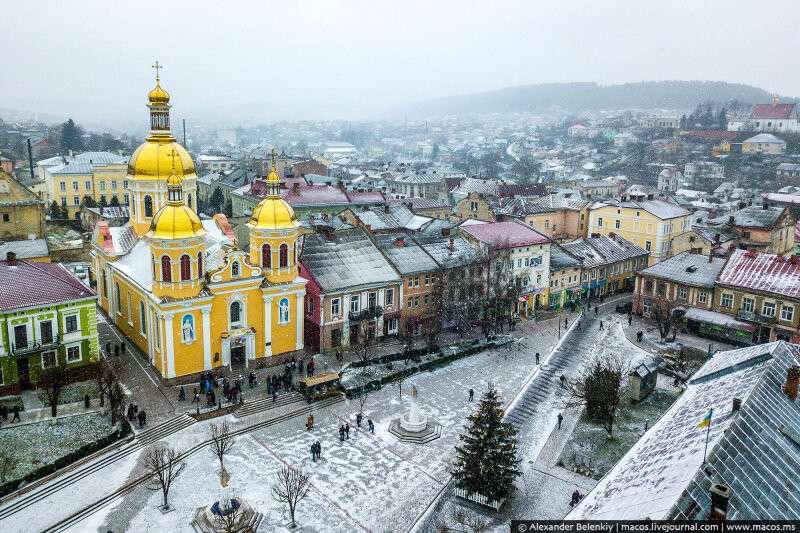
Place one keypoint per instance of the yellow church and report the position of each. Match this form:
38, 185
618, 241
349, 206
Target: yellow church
179, 287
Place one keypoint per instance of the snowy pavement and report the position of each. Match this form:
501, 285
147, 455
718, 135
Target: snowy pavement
370, 482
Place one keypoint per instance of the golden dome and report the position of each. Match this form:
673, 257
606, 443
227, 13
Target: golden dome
273, 213
175, 222
152, 160
158, 95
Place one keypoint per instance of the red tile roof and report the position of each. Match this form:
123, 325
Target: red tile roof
762, 272
505, 234
27, 284
712, 134
772, 111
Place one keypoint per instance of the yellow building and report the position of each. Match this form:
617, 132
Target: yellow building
21, 211
180, 288
97, 175
649, 224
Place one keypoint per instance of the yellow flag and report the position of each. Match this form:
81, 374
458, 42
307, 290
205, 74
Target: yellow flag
707, 420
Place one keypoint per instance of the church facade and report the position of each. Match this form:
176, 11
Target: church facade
181, 289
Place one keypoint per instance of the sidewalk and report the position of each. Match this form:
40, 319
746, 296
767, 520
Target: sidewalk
42, 414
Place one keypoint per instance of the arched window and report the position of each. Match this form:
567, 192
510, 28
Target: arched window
189, 201
200, 265
148, 206
283, 311
166, 268
235, 268
266, 256
284, 256
236, 312
186, 268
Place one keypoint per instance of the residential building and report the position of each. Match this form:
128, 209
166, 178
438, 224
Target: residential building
774, 117
764, 228
31, 250
354, 293
216, 163
518, 259
474, 207
608, 263
763, 290
735, 467
565, 278
557, 217
669, 180
308, 166
661, 122
704, 174
100, 176
763, 143
429, 185
705, 240
21, 211
428, 208
422, 291
649, 224
386, 218
48, 319
113, 216
599, 189
179, 288
788, 170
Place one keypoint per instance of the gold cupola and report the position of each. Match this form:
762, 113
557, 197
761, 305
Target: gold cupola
273, 213
175, 220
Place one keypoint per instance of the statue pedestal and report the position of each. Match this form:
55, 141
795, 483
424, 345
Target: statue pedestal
221, 516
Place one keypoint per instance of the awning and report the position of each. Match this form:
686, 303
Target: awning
719, 319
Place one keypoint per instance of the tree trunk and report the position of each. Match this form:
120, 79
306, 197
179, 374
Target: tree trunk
166, 505
291, 512
54, 408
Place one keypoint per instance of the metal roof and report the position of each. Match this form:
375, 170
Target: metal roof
688, 269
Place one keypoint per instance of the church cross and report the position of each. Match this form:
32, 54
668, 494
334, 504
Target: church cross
172, 155
157, 67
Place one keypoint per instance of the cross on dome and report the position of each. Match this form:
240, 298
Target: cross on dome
157, 66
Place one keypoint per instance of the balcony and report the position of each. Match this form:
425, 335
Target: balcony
365, 314
751, 316
38, 346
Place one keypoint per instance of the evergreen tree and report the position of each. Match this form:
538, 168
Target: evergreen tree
228, 208
88, 201
71, 136
722, 119
486, 460
114, 201
217, 201
55, 210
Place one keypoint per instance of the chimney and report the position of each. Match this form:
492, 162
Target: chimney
400, 241
792, 380
11, 258
737, 405
451, 244
720, 496
716, 238
765, 206
385, 208
295, 188
711, 255
612, 234
731, 219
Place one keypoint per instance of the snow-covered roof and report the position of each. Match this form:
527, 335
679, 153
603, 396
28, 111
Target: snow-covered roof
453, 253
345, 260
765, 138
503, 235
688, 269
407, 256
748, 269
137, 264
719, 319
753, 216
754, 451
25, 249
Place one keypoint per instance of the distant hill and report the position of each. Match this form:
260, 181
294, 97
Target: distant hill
576, 97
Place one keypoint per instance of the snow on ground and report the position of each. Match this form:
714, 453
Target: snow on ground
370, 482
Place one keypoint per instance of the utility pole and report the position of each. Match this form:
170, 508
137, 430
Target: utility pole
184, 134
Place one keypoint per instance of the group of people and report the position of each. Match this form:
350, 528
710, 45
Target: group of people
134, 412
118, 349
344, 432
316, 451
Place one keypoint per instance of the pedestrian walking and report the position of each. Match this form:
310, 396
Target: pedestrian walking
122, 348
358, 419
108, 349
563, 380
471, 394
601, 324
639, 335
116, 350
341, 433
131, 414
347, 431
630, 319
16, 414
319, 450
274, 396
370, 425
560, 419
86, 401
537, 358
4, 411
310, 423
595, 310
314, 452
142, 416
181, 394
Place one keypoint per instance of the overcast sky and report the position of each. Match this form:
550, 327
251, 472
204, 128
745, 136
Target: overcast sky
351, 59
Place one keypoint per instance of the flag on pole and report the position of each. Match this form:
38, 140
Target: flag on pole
707, 420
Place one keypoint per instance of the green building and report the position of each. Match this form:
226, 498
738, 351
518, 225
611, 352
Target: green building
47, 318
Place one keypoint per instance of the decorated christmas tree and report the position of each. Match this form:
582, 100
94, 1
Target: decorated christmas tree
486, 460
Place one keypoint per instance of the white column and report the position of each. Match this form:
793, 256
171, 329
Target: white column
267, 326
226, 352
206, 338
299, 318
169, 346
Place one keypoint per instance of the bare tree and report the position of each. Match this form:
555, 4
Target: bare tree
662, 310
116, 400
362, 399
53, 380
462, 521
232, 523
600, 389
7, 465
164, 464
291, 487
221, 441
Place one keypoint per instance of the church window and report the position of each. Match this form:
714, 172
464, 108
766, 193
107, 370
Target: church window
266, 256
236, 312
200, 264
283, 311
189, 201
235, 268
142, 319
148, 206
186, 268
284, 256
166, 268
